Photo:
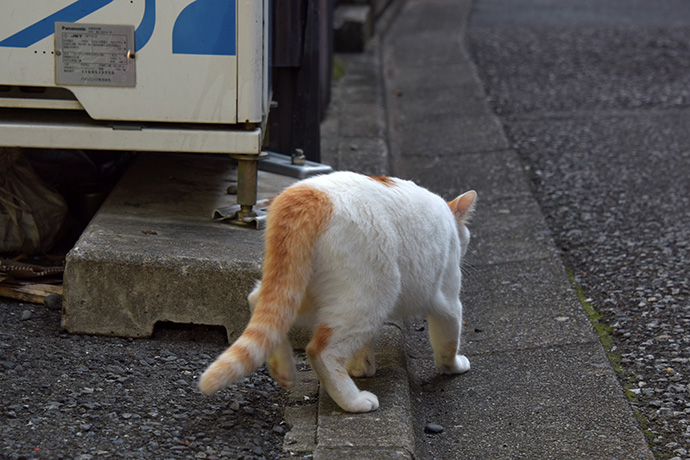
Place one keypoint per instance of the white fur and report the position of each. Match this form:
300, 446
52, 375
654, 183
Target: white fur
388, 250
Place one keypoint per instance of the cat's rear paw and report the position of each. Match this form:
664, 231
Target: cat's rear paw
283, 373
361, 366
364, 402
460, 365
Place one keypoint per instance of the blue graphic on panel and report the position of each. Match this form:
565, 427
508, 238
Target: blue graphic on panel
206, 27
46, 26
145, 28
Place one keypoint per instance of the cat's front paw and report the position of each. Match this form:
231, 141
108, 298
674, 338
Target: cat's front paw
364, 402
459, 366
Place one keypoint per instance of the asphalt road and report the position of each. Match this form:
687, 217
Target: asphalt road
595, 98
65, 396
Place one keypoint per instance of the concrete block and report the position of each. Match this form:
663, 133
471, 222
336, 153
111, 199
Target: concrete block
366, 155
331, 433
524, 234
556, 402
521, 305
153, 254
448, 136
385, 431
379, 6
353, 26
367, 453
301, 438
495, 176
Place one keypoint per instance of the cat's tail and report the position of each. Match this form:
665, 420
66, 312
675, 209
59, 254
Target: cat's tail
295, 220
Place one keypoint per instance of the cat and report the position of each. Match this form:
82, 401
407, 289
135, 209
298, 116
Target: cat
344, 253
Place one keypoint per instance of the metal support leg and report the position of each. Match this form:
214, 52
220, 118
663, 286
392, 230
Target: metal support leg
247, 171
244, 213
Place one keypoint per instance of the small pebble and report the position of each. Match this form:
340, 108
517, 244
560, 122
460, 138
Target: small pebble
53, 301
26, 314
432, 428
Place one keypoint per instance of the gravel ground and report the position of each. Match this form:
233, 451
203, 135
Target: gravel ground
598, 112
66, 396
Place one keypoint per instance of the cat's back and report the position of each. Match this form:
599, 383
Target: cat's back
388, 215
385, 235
378, 197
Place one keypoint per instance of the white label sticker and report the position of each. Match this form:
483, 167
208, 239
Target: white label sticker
94, 54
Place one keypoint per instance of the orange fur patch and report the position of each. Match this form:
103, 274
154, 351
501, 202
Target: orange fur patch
450, 349
257, 336
387, 181
297, 218
264, 316
320, 340
463, 206
243, 356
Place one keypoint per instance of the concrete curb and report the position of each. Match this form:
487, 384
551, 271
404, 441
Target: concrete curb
320, 428
354, 136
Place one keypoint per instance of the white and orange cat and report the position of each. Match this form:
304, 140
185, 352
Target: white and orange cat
344, 253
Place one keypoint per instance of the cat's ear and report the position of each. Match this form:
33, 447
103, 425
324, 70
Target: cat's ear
463, 206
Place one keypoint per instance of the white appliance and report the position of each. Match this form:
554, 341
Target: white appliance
142, 75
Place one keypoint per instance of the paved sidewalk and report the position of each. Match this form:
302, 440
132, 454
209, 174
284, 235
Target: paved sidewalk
540, 385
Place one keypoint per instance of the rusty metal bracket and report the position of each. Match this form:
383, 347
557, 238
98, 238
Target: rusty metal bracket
232, 214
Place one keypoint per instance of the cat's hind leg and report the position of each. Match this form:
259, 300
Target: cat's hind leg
362, 363
445, 326
281, 363
328, 352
